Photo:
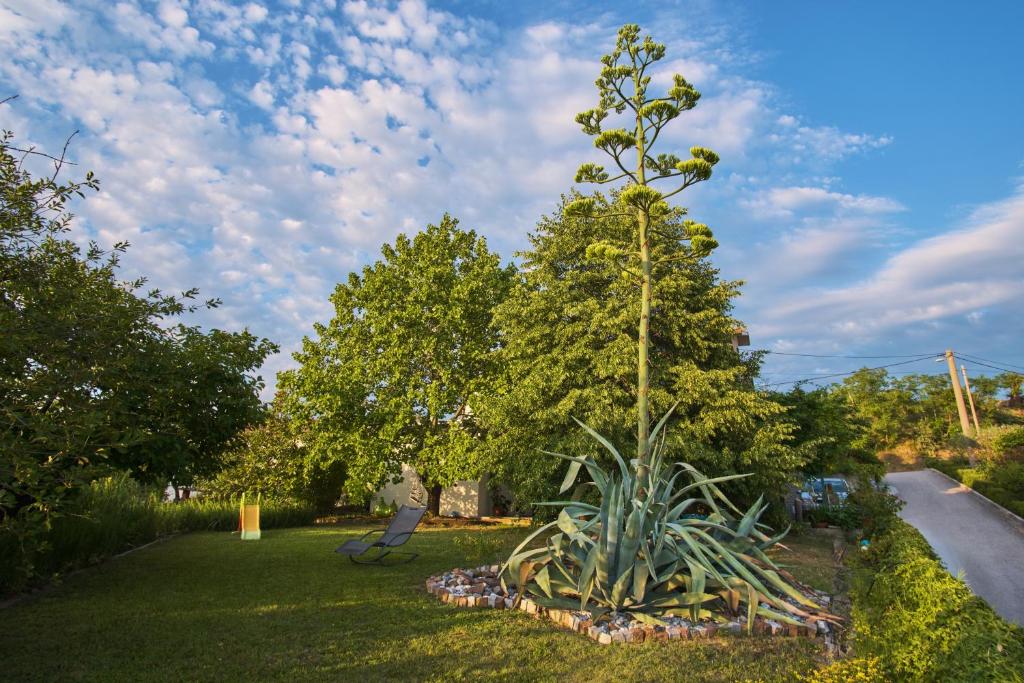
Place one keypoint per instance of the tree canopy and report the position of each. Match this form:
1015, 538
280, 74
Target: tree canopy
568, 336
395, 376
94, 372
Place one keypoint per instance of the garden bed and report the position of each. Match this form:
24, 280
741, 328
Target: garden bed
480, 587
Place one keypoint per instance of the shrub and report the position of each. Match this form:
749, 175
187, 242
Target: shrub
116, 513
269, 458
924, 624
1010, 442
854, 670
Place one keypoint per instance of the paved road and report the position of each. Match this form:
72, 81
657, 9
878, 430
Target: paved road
969, 535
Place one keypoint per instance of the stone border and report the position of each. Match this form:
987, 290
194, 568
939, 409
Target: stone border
479, 588
1011, 517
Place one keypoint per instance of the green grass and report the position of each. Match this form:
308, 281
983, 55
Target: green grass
207, 606
808, 558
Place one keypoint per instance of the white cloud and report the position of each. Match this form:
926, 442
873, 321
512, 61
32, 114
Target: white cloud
367, 121
960, 272
784, 202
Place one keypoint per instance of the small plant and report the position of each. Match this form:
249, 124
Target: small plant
383, 509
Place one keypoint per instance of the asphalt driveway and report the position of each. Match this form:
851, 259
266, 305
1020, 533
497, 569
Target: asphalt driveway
969, 534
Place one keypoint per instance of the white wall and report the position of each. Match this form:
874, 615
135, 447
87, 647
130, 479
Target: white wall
465, 499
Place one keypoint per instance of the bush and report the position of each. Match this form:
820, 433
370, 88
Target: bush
853, 670
269, 458
116, 513
1009, 442
924, 624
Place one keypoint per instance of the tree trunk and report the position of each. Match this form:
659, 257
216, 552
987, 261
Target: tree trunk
434, 499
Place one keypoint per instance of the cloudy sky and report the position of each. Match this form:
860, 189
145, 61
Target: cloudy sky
871, 189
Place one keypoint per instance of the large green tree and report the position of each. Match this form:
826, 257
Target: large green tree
568, 333
395, 375
623, 89
94, 373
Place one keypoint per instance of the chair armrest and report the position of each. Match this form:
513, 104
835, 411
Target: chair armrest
373, 531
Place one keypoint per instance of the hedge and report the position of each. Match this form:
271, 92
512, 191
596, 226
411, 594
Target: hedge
1001, 482
115, 514
914, 621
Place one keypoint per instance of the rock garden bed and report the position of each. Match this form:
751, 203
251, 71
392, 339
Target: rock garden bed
480, 587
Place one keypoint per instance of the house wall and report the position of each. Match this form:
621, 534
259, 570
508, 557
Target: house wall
465, 499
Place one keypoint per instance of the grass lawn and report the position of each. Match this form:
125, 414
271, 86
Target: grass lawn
207, 606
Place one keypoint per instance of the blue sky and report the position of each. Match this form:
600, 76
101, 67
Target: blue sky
871, 189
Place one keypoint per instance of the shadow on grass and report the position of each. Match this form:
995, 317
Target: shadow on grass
210, 607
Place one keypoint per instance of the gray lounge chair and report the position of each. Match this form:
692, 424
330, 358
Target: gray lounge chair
398, 532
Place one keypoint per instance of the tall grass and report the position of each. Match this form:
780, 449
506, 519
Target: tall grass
115, 514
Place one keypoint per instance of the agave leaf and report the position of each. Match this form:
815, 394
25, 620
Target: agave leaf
529, 538
648, 618
587, 589
752, 604
555, 602
652, 439
684, 600
619, 588
614, 534
640, 576
571, 474
631, 538
543, 580
778, 616
566, 523
708, 483
747, 523
608, 445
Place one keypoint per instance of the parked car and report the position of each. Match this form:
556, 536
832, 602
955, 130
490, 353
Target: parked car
824, 492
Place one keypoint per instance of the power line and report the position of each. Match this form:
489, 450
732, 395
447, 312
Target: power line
844, 374
821, 355
994, 367
979, 359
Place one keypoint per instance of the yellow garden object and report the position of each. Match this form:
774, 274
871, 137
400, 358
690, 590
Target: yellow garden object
249, 520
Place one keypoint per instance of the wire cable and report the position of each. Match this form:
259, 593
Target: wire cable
820, 355
979, 359
844, 374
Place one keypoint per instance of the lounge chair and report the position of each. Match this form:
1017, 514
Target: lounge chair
397, 533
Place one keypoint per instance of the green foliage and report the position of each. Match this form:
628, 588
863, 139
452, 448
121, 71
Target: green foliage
1012, 382
272, 459
852, 670
384, 509
829, 433
391, 377
924, 624
918, 408
1010, 442
568, 339
116, 513
672, 551
93, 374
488, 548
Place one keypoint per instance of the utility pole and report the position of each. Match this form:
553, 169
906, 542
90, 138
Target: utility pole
970, 399
965, 424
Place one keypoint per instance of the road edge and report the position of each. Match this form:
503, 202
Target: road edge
1015, 519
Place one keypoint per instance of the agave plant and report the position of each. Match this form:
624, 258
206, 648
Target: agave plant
648, 554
